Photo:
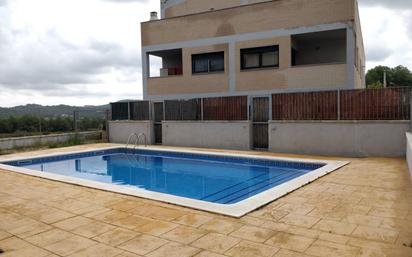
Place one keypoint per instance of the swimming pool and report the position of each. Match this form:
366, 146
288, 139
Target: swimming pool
223, 183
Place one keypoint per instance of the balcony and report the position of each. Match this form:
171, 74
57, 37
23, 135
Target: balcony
165, 63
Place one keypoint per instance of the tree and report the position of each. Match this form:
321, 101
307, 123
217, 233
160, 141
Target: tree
399, 76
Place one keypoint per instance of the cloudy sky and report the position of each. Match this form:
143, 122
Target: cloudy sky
87, 52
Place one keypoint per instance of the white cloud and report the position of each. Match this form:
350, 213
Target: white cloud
71, 51
399, 4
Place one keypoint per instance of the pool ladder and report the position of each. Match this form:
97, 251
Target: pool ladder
137, 140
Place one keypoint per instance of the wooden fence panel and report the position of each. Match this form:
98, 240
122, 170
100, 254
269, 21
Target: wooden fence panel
375, 104
183, 109
225, 108
305, 106
139, 110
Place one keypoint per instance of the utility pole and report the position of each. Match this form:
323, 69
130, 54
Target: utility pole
384, 80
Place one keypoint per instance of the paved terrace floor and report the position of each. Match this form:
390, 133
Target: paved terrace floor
363, 209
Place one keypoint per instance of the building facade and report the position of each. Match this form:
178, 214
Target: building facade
251, 47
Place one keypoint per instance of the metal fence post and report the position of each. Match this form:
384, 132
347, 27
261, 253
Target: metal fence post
128, 110
410, 111
338, 100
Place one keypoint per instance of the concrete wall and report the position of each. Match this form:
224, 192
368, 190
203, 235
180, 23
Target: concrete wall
119, 131
409, 152
339, 138
210, 134
10, 143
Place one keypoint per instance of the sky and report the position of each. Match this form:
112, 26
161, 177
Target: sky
87, 52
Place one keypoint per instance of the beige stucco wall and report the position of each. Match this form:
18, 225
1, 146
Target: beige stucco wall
196, 6
361, 58
271, 15
190, 83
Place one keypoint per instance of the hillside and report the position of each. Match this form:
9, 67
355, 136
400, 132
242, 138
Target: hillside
53, 111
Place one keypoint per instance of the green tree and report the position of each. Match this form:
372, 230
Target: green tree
399, 76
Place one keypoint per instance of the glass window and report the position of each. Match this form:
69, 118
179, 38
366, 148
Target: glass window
260, 57
270, 59
210, 62
251, 60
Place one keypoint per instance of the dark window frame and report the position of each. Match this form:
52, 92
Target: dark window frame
209, 56
260, 51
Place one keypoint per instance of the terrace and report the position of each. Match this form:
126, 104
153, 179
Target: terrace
363, 209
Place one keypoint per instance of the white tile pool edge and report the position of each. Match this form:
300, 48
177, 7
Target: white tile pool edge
234, 210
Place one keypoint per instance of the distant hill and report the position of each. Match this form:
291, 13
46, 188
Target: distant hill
53, 111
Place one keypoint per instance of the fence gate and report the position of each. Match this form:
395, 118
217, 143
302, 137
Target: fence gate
158, 117
260, 120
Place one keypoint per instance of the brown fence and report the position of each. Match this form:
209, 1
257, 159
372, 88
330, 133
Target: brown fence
183, 109
305, 106
359, 104
225, 108
375, 104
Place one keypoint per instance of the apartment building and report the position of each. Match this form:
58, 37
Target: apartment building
213, 48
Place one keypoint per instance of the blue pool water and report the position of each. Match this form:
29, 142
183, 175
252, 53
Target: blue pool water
217, 179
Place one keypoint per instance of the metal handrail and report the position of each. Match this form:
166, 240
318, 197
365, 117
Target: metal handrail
136, 142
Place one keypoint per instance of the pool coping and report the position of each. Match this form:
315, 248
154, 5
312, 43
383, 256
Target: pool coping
233, 210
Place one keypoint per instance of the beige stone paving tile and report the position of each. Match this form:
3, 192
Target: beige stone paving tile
290, 241
396, 224
184, 234
96, 212
13, 243
193, 220
116, 236
329, 214
131, 222
54, 216
156, 227
111, 216
335, 227
217, 243
4, 235
376, 234
269, 214
300, 231
143, 244
30, 229
156, 212
30, 251
98, 250
288, 253
125, 205
128, 254
208, 254
388, 213
249, 220
49, 237
405, 239
301, 209
174, 250
339, 239
299, 220
251, 249
72, 223
327, 249
70, 245
69, 205
222, 226
365, 220
252, 233
393, 252
92, 229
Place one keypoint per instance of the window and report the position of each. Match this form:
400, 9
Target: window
261, 57
210, 62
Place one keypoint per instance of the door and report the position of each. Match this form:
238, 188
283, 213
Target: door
260, 122
158, 117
